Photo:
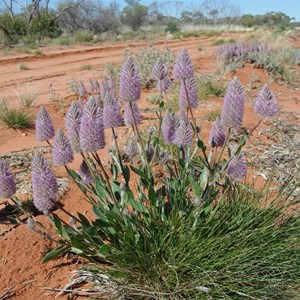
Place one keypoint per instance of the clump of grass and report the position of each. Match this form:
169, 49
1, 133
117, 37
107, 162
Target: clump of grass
154, 98
73, 86
218, 42
208, 86
86, 67
200, 47
83, 36
212, 115
26, 95
23, 67
38, 52
14, 118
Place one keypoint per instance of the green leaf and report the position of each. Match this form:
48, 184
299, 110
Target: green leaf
53, 254
73, 174
84, 220
76, 250
104, 248
152, 195
201, 145
101, 193
126, 174
57, 223
161, 104
139, 172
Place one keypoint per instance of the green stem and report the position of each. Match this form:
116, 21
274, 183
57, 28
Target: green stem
140, 140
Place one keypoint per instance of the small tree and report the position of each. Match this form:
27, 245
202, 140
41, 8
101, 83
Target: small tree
134, 16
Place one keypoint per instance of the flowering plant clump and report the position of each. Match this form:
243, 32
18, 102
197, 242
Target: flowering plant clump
163, 233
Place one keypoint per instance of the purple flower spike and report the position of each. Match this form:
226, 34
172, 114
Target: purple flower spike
73, 120
104, 87
168, 127
217, 135
91, 128
44, 129
128, 114
82, 90
183, 134
159, 71
164, 85
237, 167
188, 94
265, 104
85, 173
7, 183
183, 66
233, 107
130, 82
111, 112
44, 184
112, 87
62, 153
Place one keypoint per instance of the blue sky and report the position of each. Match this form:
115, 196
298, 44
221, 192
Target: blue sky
289, 7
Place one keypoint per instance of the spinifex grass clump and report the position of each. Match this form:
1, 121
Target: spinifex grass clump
170, 224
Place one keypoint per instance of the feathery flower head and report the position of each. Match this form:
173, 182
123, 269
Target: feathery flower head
233, 107
111, 112
217, 135
237, 167
130, 82
104, 87
183, 66
112, 87
73, 120
85, 173
188, 94
265, 104
159, 71
128, 114
7, 183
91, 133
62, 153
183, 132
44, 184
168, 127
82, 90
164, 85
44, 129
131, 149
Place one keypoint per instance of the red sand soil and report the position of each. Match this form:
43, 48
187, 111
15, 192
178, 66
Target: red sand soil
21, 250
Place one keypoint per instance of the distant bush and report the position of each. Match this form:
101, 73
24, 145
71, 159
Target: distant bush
14, 118
172, 27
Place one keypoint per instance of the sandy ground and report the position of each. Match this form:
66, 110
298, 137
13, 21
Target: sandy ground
21, 250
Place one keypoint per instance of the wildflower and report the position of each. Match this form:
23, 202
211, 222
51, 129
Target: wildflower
130, 83
164, 85
128, 114
82, 90
168, 127
265, 104
44, 129
44, 184
131, 149
91, 133
183, 66
237, 167
233, 107
183, 132
188, 97
85, 173
62, 153
217, 135
111, 112
73, 120
159, 71
7, 183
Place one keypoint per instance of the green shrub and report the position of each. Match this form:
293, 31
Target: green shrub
213, 115
154, 98
218, 42
83, 36
172, 27
14, 118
